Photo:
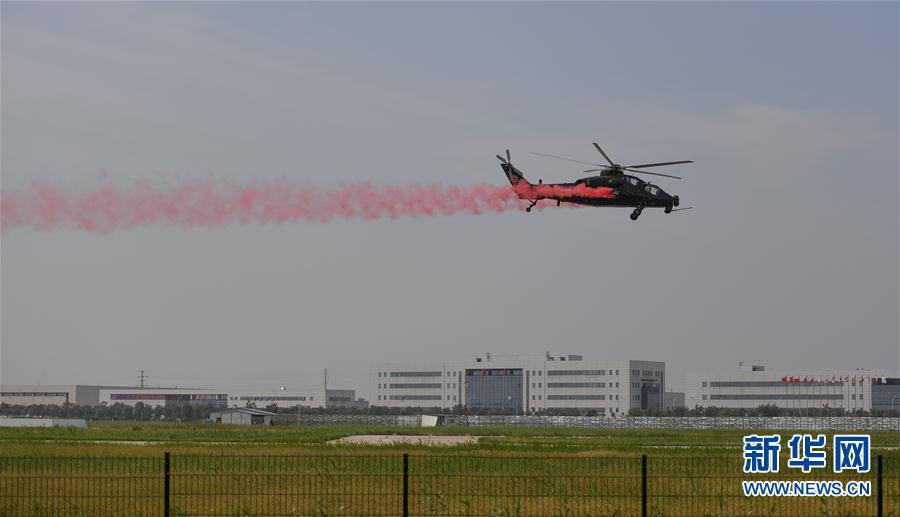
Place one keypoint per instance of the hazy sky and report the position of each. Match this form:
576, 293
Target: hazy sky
790, 258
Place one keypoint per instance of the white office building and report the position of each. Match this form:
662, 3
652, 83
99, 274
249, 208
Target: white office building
522, 383
754, 386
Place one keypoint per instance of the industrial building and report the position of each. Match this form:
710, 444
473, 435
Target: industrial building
522, 383
86, 395
241, 416
753, 386
79, 394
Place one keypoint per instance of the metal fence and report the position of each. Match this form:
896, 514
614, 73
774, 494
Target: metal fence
426, 484
793, 423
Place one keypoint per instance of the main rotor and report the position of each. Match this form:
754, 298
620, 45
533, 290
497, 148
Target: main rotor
614, 169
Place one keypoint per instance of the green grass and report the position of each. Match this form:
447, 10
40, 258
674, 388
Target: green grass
102, 437
231, 470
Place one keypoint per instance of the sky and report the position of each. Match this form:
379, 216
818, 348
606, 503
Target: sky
789, 258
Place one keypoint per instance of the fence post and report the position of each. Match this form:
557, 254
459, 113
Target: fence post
405, 485
643, 485
166, 486
879, 493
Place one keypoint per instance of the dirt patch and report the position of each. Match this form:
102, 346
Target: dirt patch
405, 439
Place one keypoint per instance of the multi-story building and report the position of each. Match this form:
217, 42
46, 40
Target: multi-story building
753, 386
522, 383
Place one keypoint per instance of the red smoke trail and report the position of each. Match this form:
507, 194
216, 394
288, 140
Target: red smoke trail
212, 203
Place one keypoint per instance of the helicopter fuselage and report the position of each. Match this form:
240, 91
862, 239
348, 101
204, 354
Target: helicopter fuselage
618, 190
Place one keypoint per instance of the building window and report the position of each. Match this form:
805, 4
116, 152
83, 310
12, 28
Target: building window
576, 384
416, 385
704, 397
415, 374
704, 384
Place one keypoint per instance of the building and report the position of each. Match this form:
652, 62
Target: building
345, 398
164, 397
79, 394
281, 397
241, 416
522, 383
751, 387
215, 397
673, 400
886, 395
224, 397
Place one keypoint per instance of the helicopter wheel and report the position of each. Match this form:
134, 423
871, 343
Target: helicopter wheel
634, 215
528, 209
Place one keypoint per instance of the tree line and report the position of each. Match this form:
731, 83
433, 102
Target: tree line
191, 412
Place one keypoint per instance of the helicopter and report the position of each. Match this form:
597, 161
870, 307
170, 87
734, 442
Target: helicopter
613, 187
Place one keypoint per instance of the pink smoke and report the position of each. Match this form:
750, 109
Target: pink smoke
216, 203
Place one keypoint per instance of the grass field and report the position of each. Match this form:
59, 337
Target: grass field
117, 469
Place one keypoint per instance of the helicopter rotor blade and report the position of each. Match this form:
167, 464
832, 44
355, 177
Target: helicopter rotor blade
508, 158
643, 165
501, 159
604, 154
568, 159
595, 170
653, 173
680, 209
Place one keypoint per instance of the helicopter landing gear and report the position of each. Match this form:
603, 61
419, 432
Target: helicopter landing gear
534, 202
668, 209
676, 201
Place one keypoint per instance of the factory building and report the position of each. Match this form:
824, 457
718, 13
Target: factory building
85, 395
522, 383
224, 397
79, 394
754, 386
164, 397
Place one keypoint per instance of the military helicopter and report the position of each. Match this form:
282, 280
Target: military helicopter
613, 187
